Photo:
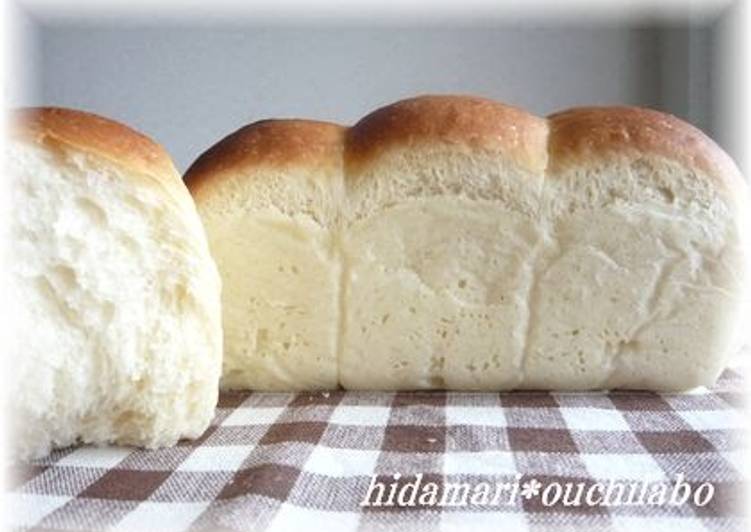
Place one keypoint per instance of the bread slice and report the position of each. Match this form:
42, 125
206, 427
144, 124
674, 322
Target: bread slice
474, 246
439, 239
117, 298
641, 283
269, 195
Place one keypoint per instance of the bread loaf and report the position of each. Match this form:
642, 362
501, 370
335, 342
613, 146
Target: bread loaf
117, 300
455, 242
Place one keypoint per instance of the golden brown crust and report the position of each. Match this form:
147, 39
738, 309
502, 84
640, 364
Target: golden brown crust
477, 123
94, 134
274, 143
592, 133
572, 137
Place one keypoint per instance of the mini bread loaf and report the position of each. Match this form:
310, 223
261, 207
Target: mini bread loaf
455, 242
117, 300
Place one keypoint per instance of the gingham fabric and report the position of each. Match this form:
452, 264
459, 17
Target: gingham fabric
307, 461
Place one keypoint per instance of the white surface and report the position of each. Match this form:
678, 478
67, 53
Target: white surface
254, 416
117, 305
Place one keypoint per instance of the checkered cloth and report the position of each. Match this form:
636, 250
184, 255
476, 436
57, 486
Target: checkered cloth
306, 462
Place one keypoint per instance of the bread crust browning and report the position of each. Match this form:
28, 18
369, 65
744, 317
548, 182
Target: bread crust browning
93, 134
543, 145
588, 134
461, 121
277, 143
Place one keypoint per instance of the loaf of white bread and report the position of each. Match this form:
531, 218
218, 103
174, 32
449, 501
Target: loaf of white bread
115, 297
455, 242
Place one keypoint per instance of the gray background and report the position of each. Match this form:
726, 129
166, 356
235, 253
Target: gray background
188, 84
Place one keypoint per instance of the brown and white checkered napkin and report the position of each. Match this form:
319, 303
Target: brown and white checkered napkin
308, 460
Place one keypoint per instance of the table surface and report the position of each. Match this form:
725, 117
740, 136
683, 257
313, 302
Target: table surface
283, 461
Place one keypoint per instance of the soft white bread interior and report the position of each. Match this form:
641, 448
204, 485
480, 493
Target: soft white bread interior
439, 238
471, 245
118, 325
269, 196
642, 278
